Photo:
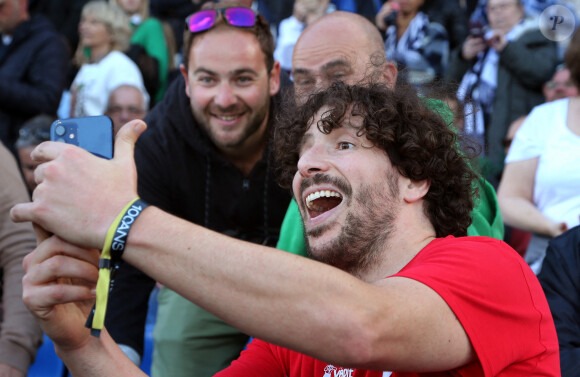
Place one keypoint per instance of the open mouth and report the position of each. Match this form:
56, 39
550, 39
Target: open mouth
322, 201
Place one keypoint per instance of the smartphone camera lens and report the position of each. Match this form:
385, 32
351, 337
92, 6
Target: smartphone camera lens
60, 130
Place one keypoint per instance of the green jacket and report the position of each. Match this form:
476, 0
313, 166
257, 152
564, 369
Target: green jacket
150, 36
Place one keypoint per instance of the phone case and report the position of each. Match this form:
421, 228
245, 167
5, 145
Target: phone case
94, 134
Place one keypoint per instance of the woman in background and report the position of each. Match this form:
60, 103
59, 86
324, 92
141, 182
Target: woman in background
149, 47
420, 47
104, 33
540, 188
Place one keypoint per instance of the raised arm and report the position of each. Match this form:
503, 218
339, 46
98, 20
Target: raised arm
281, 298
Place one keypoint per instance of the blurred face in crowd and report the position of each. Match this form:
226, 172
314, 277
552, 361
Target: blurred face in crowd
12, 13
126, 103
229, 87
338, 48
560, 86
130, 6
94, 33
503, 15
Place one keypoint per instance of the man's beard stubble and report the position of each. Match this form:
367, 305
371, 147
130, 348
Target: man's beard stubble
364, 235
255, 121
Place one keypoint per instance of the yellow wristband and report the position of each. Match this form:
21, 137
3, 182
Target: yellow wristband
114, 242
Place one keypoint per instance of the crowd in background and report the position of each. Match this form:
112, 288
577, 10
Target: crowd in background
492, 64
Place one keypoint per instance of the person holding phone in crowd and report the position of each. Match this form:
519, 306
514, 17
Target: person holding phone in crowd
501, 75
393, 285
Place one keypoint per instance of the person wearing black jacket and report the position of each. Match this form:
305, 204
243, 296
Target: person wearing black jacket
560, 279
191, 163
65, 16
452, 16
34, 63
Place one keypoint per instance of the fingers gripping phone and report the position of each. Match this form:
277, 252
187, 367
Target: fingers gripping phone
94, 134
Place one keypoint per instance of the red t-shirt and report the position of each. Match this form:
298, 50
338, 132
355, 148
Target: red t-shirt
491, 290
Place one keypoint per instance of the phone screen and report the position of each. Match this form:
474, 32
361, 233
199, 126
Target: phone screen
94, 134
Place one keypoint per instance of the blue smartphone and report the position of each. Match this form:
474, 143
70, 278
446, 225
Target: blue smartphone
94, 134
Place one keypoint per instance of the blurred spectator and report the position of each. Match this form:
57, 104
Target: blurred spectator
65, 17
539, 189
447, 92
518, 239
305, 12
451, 16
533, 9
173, 13
126, 103
560, 86
418, 46
33, 67
366, 8
104, 33
149, 48
20, 335
33, 132
501, 73
560, 279
511, 132
274, 11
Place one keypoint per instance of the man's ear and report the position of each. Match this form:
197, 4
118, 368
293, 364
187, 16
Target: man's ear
390, 73
275, 78
186, 78
415, 190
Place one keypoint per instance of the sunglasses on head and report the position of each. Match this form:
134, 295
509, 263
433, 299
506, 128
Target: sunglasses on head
234, 16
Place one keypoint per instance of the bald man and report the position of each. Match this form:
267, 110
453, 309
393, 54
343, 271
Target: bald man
344, 46
340, 46
126, 102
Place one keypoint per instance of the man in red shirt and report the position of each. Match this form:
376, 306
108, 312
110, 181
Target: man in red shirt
386, 201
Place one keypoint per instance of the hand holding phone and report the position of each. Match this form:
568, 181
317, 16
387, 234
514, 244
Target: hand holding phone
476, 29
94, 134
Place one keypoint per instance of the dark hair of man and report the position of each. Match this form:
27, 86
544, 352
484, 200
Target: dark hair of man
261, 30
417, 141
572, 58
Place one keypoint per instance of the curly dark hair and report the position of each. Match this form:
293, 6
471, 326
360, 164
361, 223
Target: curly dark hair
416, 139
